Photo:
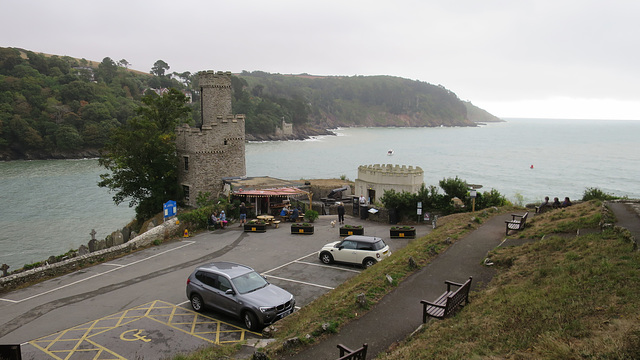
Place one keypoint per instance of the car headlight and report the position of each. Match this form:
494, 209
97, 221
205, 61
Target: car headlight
264, 309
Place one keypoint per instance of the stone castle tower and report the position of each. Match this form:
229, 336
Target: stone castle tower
216, 150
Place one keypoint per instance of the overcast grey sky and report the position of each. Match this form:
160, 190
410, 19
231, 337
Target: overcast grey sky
523, 58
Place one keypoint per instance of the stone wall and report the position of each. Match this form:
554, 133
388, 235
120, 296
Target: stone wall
85, 258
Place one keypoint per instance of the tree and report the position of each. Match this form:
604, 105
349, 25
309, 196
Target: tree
159, 68
124, 63
107, 70
141, 155
455, 188
68, 138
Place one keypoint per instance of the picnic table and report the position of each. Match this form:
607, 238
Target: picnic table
266, 218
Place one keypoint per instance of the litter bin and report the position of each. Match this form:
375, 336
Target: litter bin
356, 207
393, 216
364, 212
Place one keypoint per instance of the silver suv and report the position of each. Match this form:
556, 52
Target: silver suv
239, 291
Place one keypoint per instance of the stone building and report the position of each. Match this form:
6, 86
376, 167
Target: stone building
285, 129
373, 180
215, 150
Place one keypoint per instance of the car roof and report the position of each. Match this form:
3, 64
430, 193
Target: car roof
363, 238
231, 269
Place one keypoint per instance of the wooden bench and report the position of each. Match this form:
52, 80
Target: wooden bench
348, 354
517, 222
448, 302
275, 223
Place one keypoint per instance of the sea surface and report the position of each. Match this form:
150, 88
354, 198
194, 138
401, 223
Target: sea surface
51, 206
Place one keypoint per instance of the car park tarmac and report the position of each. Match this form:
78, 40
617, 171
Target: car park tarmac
123, 306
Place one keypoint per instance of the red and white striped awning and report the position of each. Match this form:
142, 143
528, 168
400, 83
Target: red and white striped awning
285, 191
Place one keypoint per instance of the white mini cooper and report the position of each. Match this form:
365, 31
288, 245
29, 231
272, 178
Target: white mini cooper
355, 249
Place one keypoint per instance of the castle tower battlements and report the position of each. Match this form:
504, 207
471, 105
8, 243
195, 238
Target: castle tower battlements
374, 180
216, 149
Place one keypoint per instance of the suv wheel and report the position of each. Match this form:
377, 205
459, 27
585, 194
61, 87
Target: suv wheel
250, 320
326, 258
196, 302
368, 262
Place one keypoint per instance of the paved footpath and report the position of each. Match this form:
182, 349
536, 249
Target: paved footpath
399, 313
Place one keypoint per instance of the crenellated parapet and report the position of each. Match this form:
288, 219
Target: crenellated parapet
373, 180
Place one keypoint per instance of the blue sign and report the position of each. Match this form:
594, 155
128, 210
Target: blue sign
170, 208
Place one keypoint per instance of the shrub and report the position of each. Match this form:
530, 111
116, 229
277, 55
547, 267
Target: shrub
198, 218
311, 215
595, 193
402, 227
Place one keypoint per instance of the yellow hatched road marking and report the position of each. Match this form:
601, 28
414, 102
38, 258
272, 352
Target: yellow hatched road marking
64, 344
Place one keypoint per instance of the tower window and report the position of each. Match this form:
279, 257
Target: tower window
225, 142
185, 190
186, 163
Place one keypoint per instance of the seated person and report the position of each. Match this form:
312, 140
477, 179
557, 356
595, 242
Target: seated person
556, 203
294, 214
284, 213
223, 219
544, 206
214, 219
566, 202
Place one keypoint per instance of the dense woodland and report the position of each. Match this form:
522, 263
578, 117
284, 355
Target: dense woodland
63, 107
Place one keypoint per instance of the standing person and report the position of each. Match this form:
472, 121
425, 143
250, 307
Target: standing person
363, 201
243, 214
341, 213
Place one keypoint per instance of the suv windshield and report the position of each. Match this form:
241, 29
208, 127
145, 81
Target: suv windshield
249, 282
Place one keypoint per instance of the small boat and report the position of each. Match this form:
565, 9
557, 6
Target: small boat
390, 152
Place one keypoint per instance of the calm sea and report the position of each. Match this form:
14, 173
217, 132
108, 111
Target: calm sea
51, 206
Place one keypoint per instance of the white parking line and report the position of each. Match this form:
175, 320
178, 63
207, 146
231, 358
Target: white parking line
302, 282
116, 265
187, 243
289, 263
329, 267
